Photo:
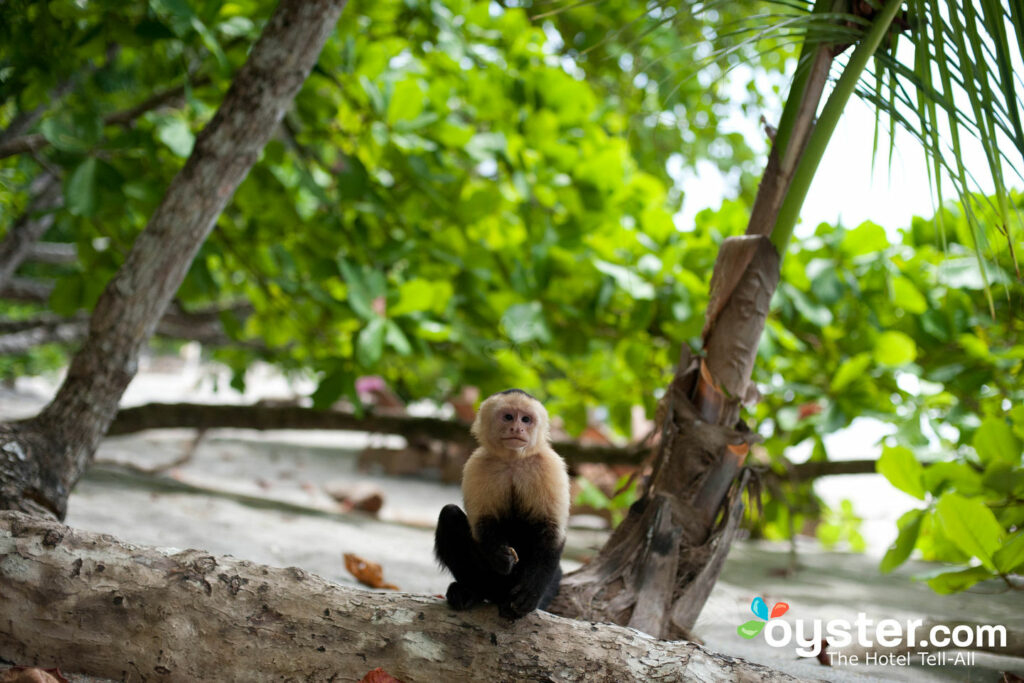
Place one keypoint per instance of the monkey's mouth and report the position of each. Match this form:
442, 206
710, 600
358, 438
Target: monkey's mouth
517, 439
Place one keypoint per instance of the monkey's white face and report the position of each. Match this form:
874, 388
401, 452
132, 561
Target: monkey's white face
515, 427
511, 422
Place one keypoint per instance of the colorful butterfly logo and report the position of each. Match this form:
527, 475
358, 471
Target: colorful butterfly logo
760, 610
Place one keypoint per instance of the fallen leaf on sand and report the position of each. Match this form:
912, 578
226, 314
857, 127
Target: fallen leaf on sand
379, 675
367, 573
24, 674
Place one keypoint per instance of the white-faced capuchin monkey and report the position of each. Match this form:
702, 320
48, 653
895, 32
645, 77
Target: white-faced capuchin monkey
506, 546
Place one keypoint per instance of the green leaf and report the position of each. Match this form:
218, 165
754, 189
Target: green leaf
525, 322
370, 343
630, 282
353, 180
406, 103
995, 441
901, 468
72, 132
867, 238
590, 495
909, 527
363, 288
906, 296
396, 339
813, 312
851, 369
964, 478
175, 133
970, 525
333, 386
1010, 557
66, 297
421, 295
955, 581
894, 349
1017, 415
80, 189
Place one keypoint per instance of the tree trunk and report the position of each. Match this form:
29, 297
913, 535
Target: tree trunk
42, 458
89, 604
658, 568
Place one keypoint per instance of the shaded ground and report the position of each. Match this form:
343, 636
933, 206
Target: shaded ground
262, 497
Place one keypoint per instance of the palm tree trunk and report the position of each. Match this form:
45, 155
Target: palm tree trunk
658, 568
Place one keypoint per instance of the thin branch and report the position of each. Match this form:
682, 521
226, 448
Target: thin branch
19, 336
171, 97
52, 253
26, 290
269, 418
29, 227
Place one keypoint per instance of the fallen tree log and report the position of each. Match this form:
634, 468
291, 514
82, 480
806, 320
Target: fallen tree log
90, 604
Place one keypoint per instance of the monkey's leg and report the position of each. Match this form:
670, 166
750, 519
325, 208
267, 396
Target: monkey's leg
538, 576
552, 590
455, 549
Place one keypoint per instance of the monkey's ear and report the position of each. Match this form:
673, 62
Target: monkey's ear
477, 429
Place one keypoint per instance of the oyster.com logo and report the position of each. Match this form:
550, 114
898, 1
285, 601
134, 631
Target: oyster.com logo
887, 641
760, 609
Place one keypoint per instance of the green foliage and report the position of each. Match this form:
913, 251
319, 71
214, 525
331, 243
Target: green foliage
617, 505
909, 341
461, 194
842, 525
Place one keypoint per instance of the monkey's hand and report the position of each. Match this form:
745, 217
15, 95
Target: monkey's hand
502, 559
523, 599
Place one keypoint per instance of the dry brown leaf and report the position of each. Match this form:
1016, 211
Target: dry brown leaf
379, 675
25, 674
367, 573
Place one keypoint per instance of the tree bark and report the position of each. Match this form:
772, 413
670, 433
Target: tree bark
90, 604
42, 458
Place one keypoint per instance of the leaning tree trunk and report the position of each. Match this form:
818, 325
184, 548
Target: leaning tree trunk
90, 604
42, 458
656, 571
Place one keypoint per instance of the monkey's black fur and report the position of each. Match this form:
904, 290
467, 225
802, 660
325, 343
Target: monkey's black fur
486, 570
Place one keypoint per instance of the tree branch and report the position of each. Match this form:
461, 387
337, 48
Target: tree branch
269, 418
171, 97
204, 326
29, 228
54, 253
26, 290
141, 607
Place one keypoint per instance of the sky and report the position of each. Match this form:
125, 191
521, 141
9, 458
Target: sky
847, 188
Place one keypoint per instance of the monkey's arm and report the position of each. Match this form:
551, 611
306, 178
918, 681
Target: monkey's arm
494, 545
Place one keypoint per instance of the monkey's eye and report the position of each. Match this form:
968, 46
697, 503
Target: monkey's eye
508, 417
527, 418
